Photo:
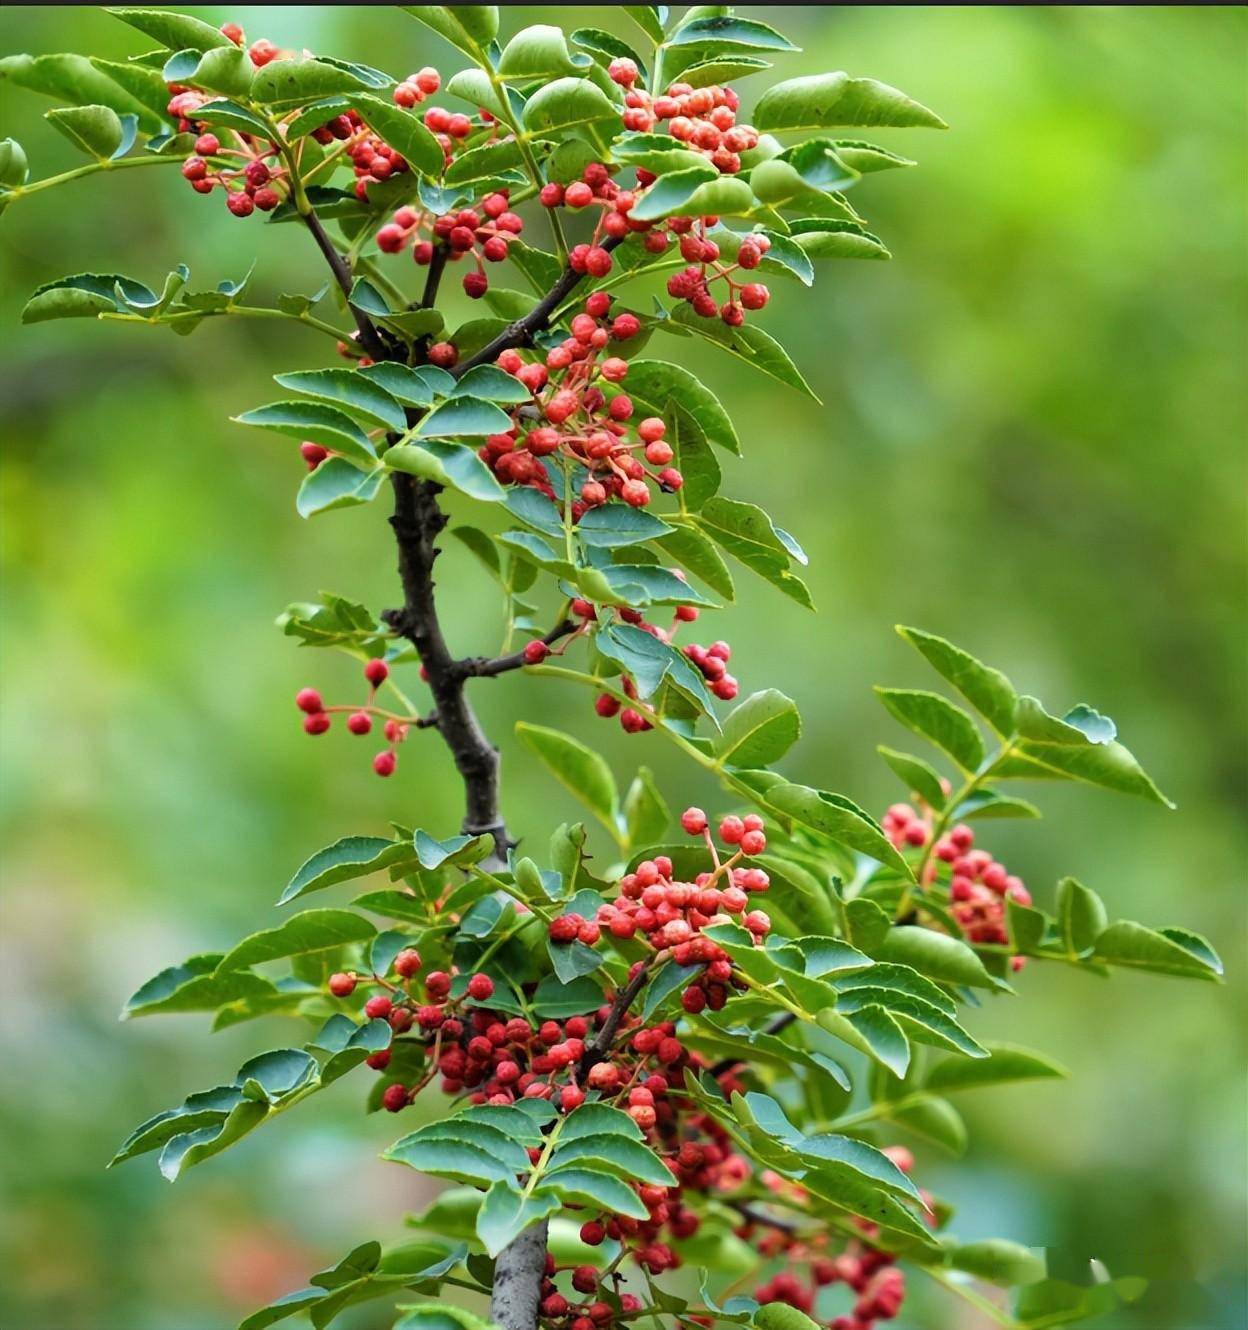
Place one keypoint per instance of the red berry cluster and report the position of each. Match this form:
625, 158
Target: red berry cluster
480, 234
253, 181
597, 188
577, 420
416, 87
868, 1272
360, 719
703, 119
587, 1312
673, 914
978, 885
692, 284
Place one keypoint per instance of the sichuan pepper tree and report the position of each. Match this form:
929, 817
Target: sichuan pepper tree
699, 1042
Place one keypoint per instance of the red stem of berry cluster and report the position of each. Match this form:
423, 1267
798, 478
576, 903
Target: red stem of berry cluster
417, 521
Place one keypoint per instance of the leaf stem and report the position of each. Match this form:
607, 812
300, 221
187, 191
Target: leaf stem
8, 196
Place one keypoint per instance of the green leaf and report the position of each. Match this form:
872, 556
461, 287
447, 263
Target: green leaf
83, 295
649, 18
727, 30
567, 103
655, 383
868, 157
651, 662
96, 130
539, 52
749, 343
505, 1214
194, 986
442, 1315
759, 731
1006, 1064
746, 532
1080, 747
780, 1316
1167, 951
175, 31
593, 1187
694, 551
463, 416
322, 424
638, 584
998, 1261
659, 154
578, 769
986, 689
936, 1120
616, 524
469, 28
233, 116
987, 803
75, 80
557, 1001
829, 101
727, 69
841, 820
829, 238
336, 483
937, 955
359, 396
691, 193
14, 169
646, 814
493, 385
309, 931
461, 851
917, 776
447, 463
350, 857
1081, 917
283, 84
402, 130
935, 718
414, 387
621, 1155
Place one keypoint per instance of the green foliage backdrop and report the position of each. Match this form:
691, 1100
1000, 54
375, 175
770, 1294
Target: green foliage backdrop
1032, 439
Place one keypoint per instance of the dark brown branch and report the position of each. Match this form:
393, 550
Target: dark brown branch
370, 338
482, 667
417, 522
437, 265
522, 331
619, 1009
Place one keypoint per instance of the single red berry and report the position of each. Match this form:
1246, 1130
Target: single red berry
376, 672
240, 205
316, 723
359, 722
378, 1007
593, 1233
480, 987
342, 985
385, 762
394, 1097
309, 700
535, 652
694, 821
407, 962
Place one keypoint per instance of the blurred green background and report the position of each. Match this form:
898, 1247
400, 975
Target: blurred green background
1031, 441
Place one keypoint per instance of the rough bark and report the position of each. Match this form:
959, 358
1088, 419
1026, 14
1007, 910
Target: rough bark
518, 1280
